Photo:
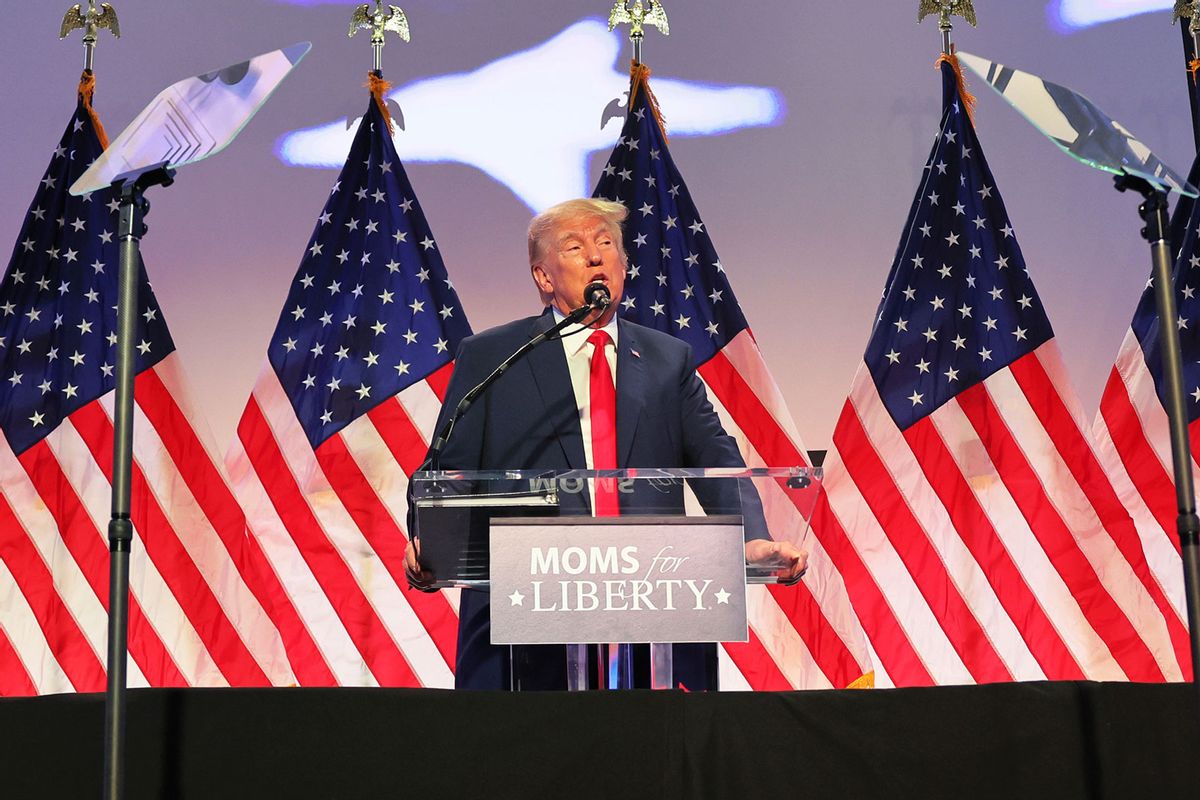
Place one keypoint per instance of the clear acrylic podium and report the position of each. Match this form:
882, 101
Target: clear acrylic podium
670, 568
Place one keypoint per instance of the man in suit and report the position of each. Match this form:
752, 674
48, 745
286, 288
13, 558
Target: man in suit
554, 411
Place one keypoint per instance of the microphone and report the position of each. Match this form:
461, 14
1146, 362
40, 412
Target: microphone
597, 295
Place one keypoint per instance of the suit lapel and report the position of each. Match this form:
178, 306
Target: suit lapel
631, 388
548, 364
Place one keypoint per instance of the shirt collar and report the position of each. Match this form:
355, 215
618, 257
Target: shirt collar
573, 337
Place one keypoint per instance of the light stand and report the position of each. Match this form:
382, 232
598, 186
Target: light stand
1153, 211
131, 229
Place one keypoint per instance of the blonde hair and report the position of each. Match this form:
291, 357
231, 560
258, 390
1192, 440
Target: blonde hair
544, 224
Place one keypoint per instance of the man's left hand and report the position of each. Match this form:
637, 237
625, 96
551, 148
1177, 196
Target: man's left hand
789, 561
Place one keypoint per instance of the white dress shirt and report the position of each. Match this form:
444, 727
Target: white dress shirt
575, 345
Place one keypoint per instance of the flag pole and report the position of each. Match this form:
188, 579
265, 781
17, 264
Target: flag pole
1187, 13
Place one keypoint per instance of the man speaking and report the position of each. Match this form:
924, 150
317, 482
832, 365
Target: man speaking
609, 394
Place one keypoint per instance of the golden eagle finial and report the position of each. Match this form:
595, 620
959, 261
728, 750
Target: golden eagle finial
637, 17
944, 8
379, 22
91, 22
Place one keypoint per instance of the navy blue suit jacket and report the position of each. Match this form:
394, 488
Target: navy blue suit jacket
529, 419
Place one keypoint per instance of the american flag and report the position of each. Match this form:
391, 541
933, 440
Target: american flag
1131, 429
966, 507
193, 618
339, 419
800, 637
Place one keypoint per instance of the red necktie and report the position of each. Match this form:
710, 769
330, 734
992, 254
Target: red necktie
602, 400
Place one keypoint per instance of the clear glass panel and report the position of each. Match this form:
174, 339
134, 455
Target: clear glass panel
194, 118
1076, 125
453, 510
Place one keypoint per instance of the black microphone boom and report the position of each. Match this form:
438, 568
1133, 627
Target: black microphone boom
595, 292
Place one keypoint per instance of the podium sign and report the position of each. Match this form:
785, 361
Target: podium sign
618, 579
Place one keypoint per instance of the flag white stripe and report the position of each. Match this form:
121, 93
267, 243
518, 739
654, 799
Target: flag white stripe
70, 584
1165, 563
1075, 508
21, 628
919, 625
163, 612
302, 588
422, 407
1131, 365
205, 549
385, 597
1089, 651
961, 569
743, 353
729, 677
778, 635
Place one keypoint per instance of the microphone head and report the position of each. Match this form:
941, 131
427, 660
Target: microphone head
597, 295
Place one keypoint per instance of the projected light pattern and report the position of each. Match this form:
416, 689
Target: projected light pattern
530, 120
1071, 15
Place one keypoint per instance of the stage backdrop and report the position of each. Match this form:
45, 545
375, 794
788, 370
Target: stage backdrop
804, 175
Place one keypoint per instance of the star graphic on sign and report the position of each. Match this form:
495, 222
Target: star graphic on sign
722, 597
517, 598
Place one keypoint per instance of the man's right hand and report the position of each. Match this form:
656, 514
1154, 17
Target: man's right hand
418, 578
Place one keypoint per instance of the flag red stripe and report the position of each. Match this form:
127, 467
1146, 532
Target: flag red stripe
222, 510
1193, 430
900, 659
15, 681
975, 529
308, 663
401, 436
770, 441
351, 605
386, 539
741, 401
70, 647
86, 546
439, 380
828, 649
1025, 487
911, 543
1081, 461
1151, 480
759, 669
221, 639
191, 460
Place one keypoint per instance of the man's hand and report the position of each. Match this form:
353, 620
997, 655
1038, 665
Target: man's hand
789, 561
417, 577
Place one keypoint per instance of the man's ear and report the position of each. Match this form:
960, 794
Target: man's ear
542, 279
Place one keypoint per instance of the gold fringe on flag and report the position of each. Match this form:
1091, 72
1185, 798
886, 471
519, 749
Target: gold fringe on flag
640, 77
864, 682
1194, 67
379, 87
87, 90
968, 99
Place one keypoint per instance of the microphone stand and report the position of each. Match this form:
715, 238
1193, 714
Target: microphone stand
433, 461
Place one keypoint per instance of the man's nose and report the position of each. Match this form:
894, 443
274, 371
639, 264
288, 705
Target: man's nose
594, 257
